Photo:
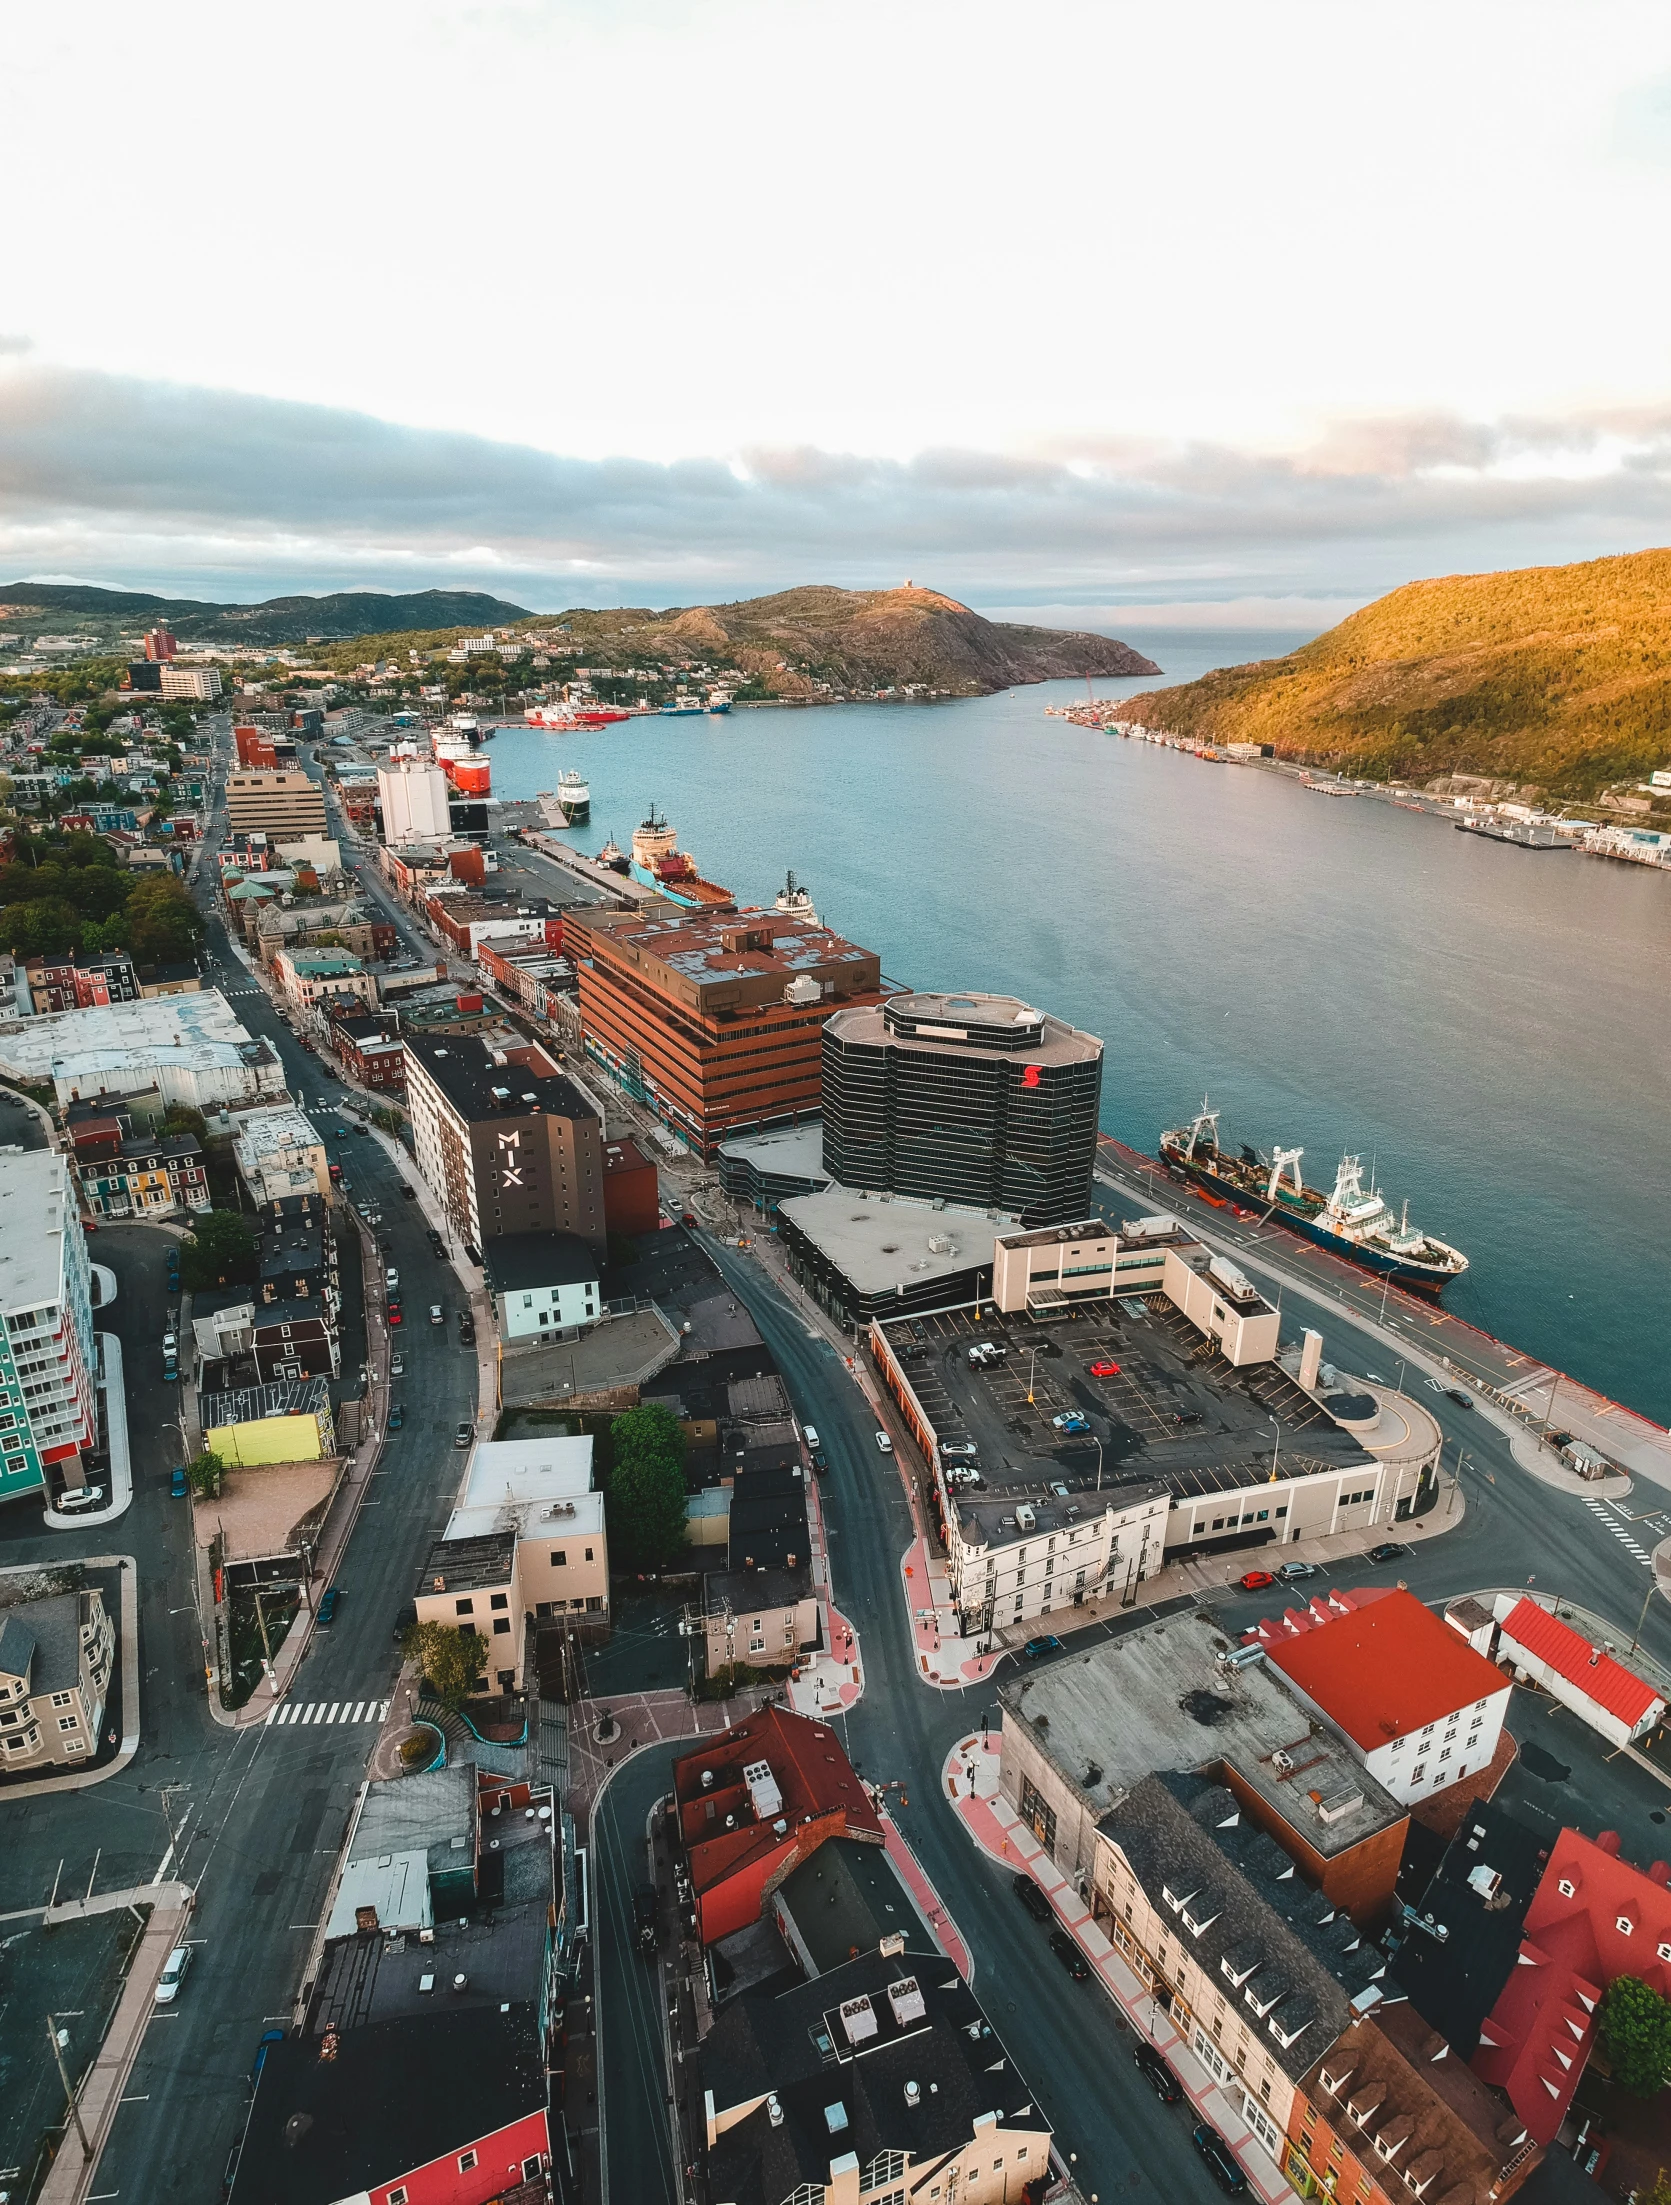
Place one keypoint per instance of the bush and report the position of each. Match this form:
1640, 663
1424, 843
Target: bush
645, 1499
1635, 2027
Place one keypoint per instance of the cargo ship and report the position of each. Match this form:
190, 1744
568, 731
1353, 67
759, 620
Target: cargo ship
567, 718
1353, 1222
570, 803
676, 874
719, 700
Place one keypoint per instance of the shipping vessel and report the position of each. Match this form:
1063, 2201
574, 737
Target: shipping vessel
652, 838
614, 857
1354, 1222
569, 804
682, 707
677, 876
569, 719
795, 902
719, 700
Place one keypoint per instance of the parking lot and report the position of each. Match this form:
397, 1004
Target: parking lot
1163, 1404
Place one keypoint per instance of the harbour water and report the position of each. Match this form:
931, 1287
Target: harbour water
1487, 1026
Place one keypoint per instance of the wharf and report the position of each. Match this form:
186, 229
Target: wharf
1532, 1394
594, 875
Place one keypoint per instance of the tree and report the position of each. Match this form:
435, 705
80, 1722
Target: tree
645, 1502
205, 1472
451, 1661
181, 1118
218, 1251
44, 928
1636, 2030
164, 925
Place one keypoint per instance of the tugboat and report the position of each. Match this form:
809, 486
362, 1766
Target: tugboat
614, 857
1352, 1221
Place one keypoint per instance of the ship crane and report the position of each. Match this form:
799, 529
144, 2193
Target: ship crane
1285, 1159
1204, 1117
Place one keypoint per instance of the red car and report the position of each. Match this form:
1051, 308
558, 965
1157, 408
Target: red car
1255, 1581
396, 1318
1105, 1370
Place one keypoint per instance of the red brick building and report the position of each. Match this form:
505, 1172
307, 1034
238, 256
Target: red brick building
715, 1022
370, 1052
631, 1193
754, 1803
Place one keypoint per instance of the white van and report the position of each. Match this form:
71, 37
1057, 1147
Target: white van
810, 1435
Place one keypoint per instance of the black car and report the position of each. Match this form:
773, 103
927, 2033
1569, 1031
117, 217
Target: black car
1462, 1400
1063, 1946
1220, 2159
1157, 2074
644, 1917
1031, 1897
408, 1194
1388, 1551
820, 1467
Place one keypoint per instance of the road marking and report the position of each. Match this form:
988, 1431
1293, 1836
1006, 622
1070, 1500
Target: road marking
334, 1711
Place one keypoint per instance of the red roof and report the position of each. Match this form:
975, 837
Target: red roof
1385, 1669
1608, 1682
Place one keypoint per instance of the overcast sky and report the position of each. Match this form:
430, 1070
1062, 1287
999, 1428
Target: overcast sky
1115, 313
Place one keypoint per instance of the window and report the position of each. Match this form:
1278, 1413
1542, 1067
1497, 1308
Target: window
69, 1722
499, 1600
1418, 1772
398, 2197
1623, 1924
61, 1699
590, 1556
464, 1607
560, 1558
466, 2162
501, 1623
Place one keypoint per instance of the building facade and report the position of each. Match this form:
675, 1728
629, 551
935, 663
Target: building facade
545, 1286
55, 1663
714, 1023
974, 1099
504, 1142
412, 796
139, 1175
48, 1354
274, 802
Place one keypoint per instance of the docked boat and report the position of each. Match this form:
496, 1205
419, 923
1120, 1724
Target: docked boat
794, 902
684, 706
614, 858
652, 839
573, 797
676, 875
1353, 1221
719, 700
570, 719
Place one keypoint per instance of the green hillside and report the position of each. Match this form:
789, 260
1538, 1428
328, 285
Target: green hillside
1557, 678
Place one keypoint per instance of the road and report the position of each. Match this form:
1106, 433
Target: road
261, 1812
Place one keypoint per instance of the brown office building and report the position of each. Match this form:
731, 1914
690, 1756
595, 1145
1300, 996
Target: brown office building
714, 1022
285, 805
506, 1144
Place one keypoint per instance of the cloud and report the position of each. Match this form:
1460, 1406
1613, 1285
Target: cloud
182, 488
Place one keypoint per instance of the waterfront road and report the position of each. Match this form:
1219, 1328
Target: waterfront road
260, 1813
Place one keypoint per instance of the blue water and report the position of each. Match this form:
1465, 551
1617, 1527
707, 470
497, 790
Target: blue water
1489, 1025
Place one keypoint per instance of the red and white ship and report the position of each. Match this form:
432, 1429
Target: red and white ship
568, 718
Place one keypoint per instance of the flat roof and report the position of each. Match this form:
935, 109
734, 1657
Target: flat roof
693, 945
877, 1241
272, 1127
478, 1088
36, 1209
984, 1027
512, 1470
470, 1564
791, 1151
1158, 1699
515, 1260
200, 1030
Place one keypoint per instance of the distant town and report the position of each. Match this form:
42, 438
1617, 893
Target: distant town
640, 1564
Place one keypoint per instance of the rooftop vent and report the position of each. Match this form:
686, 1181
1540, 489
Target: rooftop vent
906, 1999
913, 2093
835, 2118
774, 2111
858, 2019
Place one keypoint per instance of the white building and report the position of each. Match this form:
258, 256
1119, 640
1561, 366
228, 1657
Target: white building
280, 1152
545, 1286
412, 795
192, 1047
191, 681
48, 1356
1418, 1706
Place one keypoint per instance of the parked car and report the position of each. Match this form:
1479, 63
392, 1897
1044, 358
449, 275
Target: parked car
394, 1315
1070, 1421
170, 1371
437, 1315
173, 1975
391, 1280
1032, 1898
820, 1468
687, 1217
1255, 1581
644, 1916
397, 1366
952, 1449
884, 1443
177, 1482
1063, 1946
1105, 1369
328, 1605
1157, 2074
397, 1417
1221, 2160
1388, 1551
408, 1194
462, 1437
361, 1130
810, 1435
467, 1332
79, 1497
1036, 1648
404, 1620
1295, 1573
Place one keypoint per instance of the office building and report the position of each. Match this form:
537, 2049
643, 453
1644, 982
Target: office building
200, 683
277, 803
504, 1141
321, 982
974, 1099
159, 643
48, 1355
412, 796
713, 1022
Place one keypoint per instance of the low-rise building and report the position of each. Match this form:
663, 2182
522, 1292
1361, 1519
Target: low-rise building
1606, 1694
293, 1339
371, 1052
288, 1421
761, 1610
1384, 2115
56, 1654
190, 1046
545, 1286
754, 1803
1415, 1702
764, 1169
80, 979
138, 1174
880, 2081
1079, 1735
1255, 1968
280, 1154
320, 981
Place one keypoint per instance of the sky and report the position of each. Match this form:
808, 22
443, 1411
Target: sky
1081, 312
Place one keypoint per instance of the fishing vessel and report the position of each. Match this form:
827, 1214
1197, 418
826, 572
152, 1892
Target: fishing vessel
719, 700
1353, 1221
683, 706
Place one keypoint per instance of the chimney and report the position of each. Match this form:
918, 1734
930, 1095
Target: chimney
1311, 1358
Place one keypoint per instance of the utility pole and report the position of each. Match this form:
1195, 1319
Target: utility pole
1643, 1617
1549, 1405
69, 2094
266, 1645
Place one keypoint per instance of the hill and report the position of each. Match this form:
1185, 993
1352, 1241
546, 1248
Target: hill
858, 640
1555, 678
284, 620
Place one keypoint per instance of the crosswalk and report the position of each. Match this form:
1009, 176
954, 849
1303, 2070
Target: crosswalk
330, 1711
1604, 1513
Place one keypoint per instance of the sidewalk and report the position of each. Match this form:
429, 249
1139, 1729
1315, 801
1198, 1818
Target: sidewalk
100, 2093
970, 1779
833, 1680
